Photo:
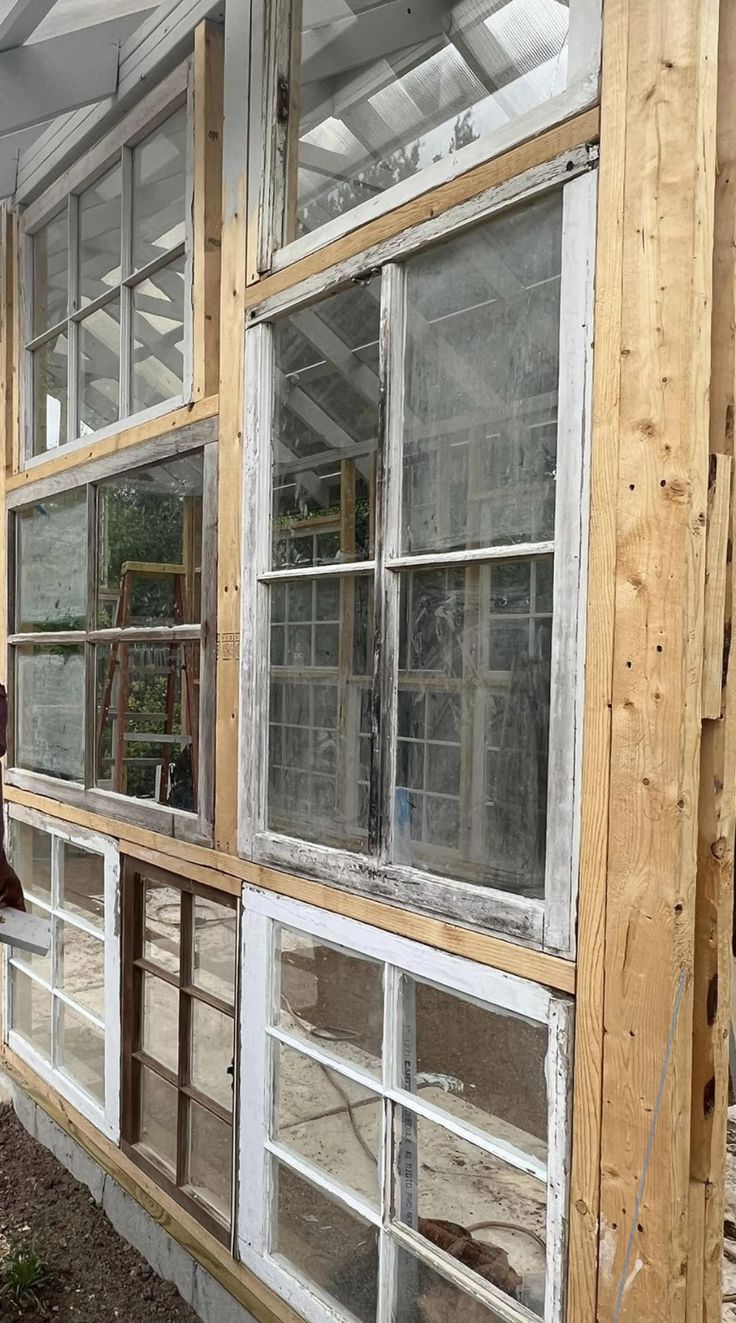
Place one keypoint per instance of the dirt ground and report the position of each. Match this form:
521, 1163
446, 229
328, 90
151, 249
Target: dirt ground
94, 1277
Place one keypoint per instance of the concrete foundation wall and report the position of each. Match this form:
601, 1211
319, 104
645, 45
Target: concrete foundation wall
167, 1258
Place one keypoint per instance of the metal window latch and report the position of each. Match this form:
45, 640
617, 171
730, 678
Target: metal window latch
282, 101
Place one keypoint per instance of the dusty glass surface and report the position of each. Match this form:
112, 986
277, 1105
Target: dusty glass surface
325, 427
49, 709
81, 967
424, 1296
215, 950
210, 1159
158, 1114
212, 1053
319, 714
100, 211
50, 394
157, 337
480, 401
327, 1243
82, 1052
82, 883
51, 564
329, 1120
99, 369
39, 964
473, 722
30, 854
381, 99
331, 997
31, 1011
162, 925
50, 273
159, 185
160, 1027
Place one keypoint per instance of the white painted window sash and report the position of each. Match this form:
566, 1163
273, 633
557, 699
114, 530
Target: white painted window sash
262, 912
107, 1118
272, 34
548, 923
177, 90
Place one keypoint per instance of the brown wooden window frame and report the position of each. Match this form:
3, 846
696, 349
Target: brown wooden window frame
134, 965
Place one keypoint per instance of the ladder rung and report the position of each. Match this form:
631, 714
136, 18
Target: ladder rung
141, 737
139, 716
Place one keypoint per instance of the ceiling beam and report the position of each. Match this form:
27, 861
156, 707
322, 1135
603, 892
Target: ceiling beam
48, 78
21, 21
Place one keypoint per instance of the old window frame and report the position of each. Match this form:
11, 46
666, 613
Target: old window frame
262, 912
116, 147
548, 924
106, 1119
133, 1057
273, 98
196, 827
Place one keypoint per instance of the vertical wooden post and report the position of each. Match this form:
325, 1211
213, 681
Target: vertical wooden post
717, 806
655, 344
230, 450
208, 59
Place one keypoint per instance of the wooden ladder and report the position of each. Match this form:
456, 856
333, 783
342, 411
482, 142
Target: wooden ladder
119, 664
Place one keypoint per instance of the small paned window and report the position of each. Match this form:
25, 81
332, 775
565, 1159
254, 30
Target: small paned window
107, 336
57, 1018
180, 961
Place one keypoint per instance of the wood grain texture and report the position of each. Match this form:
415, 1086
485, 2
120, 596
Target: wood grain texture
76, 455
180, 1225
663, 418
221, 868
564, 137
717, 800
208, 115
230, 473
718, 533
591, 945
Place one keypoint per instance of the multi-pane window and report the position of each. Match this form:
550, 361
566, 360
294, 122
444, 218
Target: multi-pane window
405, 1129
418, 575
56, 1002
376, 102
107, 656
107, 321
179, 975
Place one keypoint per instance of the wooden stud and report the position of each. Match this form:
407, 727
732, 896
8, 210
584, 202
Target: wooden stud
717, 799
208, 61
232, 308
718, 532
667, 95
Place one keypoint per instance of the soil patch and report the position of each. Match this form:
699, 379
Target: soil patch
93, 1275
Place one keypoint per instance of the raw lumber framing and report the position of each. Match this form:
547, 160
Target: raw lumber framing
664, 84
208, 58
717, 804
234, 173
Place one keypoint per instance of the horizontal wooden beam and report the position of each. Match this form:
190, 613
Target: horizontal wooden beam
217, 869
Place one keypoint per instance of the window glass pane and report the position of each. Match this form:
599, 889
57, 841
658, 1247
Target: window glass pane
162, 922
159, 1102
51, 563
30, 852
425, 1296
50, 274
210, 1159
482, 1065
149, 540
81, 967
99, 237
160, 1028
324, 430
329, 1120
147, 719
212, 1053
330, 1246
215, 929
331, 997
82, 883
159, 185
473, 723
82, 1052
157, 329
99, 369
40, 964
49, 709
382, 100
447, 1189
480, 412
49, 370
30, 1010
319, 736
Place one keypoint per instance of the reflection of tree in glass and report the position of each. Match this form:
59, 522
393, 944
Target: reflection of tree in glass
143, 527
